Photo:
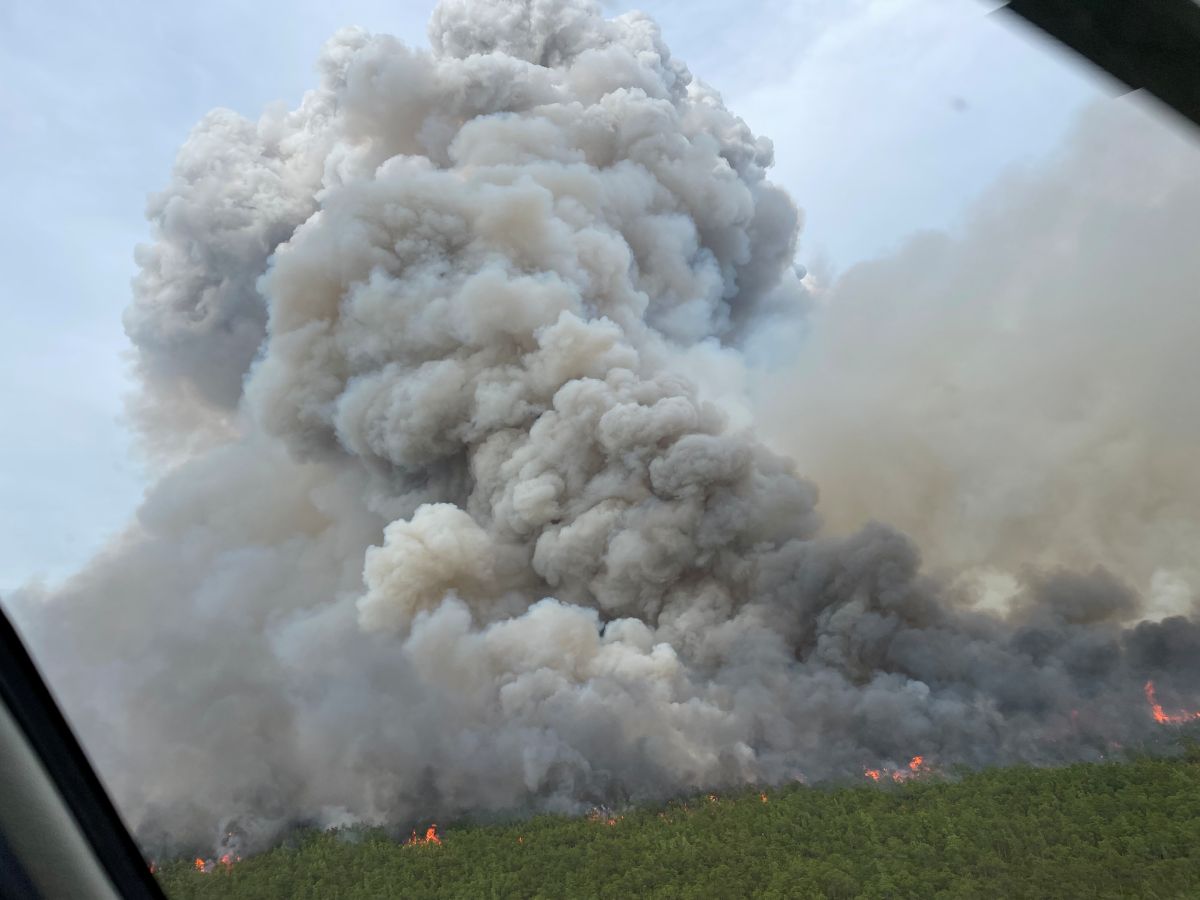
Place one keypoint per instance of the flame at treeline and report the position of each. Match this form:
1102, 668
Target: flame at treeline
431, 837
207, 866
604, 817
915, 768
917, 765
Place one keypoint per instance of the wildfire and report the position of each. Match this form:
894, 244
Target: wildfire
431, 837
762, 797
206, 866
1164, 718
603, 817
915, 768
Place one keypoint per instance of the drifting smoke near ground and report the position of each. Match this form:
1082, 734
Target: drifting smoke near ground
1024, 394
465, 537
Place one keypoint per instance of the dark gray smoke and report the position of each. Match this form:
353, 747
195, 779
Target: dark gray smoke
469, 537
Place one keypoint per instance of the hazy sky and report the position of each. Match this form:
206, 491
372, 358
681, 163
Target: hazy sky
887, 116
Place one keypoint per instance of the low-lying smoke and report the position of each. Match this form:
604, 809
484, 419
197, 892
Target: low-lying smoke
468, 537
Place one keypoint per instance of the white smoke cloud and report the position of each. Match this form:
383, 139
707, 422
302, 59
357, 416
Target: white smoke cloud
470, 537
1022, 393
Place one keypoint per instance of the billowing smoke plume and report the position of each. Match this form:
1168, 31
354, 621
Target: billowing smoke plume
470, 538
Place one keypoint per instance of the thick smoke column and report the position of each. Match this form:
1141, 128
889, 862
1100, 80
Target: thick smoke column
470, 539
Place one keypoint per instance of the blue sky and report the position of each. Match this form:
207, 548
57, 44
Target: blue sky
887, 116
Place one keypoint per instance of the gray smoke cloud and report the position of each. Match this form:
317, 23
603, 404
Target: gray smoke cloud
1023, 392
470, 536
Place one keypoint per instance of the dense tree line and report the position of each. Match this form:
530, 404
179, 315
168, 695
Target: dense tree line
1106, 830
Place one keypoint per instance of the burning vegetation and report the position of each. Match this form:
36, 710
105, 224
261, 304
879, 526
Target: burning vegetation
1165, 718
602, 816
431, 838
916, 768
222, 863
1102, 831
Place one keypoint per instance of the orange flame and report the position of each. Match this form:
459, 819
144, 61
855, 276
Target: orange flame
915, 768
1164, 718
762, 797
431, 836
207, 866
603, 818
